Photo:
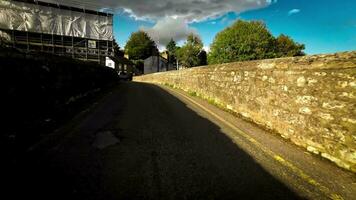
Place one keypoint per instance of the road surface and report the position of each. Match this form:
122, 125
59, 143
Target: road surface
143, 141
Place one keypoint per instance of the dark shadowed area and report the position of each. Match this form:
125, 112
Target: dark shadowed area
140, 142
41, 91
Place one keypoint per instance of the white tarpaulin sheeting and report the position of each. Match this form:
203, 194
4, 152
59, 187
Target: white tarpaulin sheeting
29, 17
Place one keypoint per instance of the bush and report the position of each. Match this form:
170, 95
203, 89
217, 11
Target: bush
250, 40
286, 47
189, 55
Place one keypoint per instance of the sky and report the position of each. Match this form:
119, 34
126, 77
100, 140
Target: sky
324, 26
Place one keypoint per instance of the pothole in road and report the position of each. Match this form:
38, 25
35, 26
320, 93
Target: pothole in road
105, 139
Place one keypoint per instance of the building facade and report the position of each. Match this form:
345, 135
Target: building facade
82, 34
155, 64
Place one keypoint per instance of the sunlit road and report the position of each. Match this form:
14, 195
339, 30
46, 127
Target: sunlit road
142, 142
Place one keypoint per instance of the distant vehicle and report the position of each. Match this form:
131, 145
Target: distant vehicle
125, 76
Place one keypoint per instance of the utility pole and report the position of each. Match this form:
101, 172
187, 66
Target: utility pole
158, 62
169, 60
157, 55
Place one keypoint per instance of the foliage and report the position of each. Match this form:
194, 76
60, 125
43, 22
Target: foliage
286, 47
117, 51
140, 46
188, 54
139, 64
242, 41
250, 40
172, 48
203, 60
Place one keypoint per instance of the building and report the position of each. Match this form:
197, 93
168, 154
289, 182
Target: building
154, 64
122, 64
165, 54
82, 34
109, 62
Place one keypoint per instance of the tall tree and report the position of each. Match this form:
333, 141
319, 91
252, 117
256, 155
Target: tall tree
117, 51
172, 48
202, 58
286, 47
242, 41
188, 54
140, 46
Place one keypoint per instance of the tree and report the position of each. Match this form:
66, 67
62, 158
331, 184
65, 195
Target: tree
250, 40
202, 58
140, 46
172, 48
242, 41
188, 54
117, 51
286, 47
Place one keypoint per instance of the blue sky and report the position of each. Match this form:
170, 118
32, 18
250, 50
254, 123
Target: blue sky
324, 26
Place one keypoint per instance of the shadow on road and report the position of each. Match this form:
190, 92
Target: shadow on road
164, 150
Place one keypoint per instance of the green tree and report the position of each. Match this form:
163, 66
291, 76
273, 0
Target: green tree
202, 58
117, 51
188, 54
171, 48
242, 41
140, 46
286, 47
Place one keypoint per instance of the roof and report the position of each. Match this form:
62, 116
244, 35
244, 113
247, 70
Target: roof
163, 58
122, 60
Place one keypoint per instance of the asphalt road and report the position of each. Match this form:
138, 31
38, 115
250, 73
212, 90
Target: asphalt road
142, 142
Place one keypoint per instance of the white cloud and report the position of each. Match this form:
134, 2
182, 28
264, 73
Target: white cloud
293, 11
271, 1
224, 20
191, 10
163, 12
169, 28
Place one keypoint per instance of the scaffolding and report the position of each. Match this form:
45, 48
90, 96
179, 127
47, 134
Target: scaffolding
84, 48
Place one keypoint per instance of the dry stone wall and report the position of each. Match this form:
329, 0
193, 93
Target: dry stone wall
310, 100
